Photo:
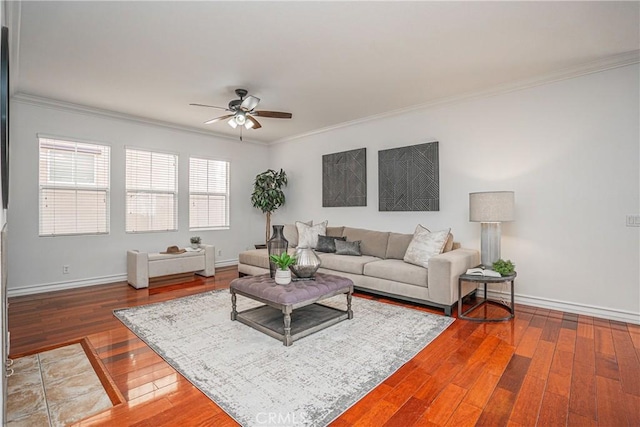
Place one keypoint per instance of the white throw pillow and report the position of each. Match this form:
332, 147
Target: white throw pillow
424, 245
290, 232
308, 234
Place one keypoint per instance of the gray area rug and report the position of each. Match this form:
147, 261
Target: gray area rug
259, 381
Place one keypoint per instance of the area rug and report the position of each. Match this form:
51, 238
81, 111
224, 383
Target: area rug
259, 381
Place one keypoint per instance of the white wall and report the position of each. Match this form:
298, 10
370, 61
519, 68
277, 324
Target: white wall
36, 262
569, 150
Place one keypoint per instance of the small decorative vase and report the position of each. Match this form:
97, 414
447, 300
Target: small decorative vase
283, 277
307, 263
276, 245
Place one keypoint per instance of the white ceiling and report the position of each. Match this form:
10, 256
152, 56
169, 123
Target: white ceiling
328, 63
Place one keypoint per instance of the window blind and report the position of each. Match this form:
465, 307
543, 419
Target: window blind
74, 187
208, 194
152, 191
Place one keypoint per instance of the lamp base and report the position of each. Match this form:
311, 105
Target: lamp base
490, 235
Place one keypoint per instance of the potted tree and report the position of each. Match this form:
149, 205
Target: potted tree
268, 195
283, 262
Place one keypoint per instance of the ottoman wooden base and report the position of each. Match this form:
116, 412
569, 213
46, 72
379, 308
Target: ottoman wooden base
304, 321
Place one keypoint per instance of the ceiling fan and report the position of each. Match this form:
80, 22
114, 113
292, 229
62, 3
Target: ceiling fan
243, 112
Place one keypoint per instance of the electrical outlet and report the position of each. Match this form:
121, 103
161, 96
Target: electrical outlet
65, 269
633, 220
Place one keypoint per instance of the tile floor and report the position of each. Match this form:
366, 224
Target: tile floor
54, 388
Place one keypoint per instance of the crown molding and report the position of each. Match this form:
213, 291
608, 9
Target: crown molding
603, 64
27, 99
13, 19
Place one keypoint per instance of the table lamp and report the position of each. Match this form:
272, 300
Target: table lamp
490, 209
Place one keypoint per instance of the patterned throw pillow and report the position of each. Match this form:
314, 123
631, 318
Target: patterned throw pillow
308, 234
425, 245
291, 233
327, 243
348, 248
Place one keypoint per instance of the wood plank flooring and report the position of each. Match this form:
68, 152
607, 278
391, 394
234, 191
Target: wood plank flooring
544, 367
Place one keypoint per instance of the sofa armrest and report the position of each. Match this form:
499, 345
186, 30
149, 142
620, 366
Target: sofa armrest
443, 273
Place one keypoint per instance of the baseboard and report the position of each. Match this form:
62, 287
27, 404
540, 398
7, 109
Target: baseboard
569, 307
227, 263
60, 286
80, 283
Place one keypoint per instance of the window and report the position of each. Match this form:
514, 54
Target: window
152, 191
74, 187
208, 194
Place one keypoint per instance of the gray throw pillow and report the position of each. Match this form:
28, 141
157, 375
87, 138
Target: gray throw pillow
327, 243
348, 248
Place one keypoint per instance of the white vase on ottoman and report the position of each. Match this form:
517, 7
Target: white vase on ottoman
283, 277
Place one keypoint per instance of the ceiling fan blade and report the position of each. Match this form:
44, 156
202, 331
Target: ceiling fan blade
273, 114
249, 103
217, 119
256, 124
209, 106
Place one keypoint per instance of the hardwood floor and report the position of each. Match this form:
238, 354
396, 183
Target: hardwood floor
544, 368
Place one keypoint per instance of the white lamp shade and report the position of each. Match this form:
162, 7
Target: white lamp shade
492, 206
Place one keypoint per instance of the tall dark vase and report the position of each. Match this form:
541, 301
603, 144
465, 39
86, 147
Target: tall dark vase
276, 245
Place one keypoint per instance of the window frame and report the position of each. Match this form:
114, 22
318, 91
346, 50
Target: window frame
128, 191
226, 195
70, 186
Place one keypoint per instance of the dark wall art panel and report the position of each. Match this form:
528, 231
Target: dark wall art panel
344, 178
408, 178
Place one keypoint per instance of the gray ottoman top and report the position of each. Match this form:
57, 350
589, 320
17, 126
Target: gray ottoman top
266, 288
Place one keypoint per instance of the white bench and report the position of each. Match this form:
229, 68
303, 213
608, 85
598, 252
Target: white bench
141, 265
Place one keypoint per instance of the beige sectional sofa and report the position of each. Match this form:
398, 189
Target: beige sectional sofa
381, 268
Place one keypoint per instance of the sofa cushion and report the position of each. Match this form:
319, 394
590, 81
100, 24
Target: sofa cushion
335, 231
425, 245
347, 264
291, 233
327, 243
398, 244
308, 235
348, 248
373, 243
398, 271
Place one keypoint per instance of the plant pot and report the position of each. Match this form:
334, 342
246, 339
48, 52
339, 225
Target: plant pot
283, 277
195, 245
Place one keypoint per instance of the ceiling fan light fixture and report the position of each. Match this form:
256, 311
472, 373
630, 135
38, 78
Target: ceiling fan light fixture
248, 124
240, 118
232, 122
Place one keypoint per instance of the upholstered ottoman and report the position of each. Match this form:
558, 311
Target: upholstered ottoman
291, 311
